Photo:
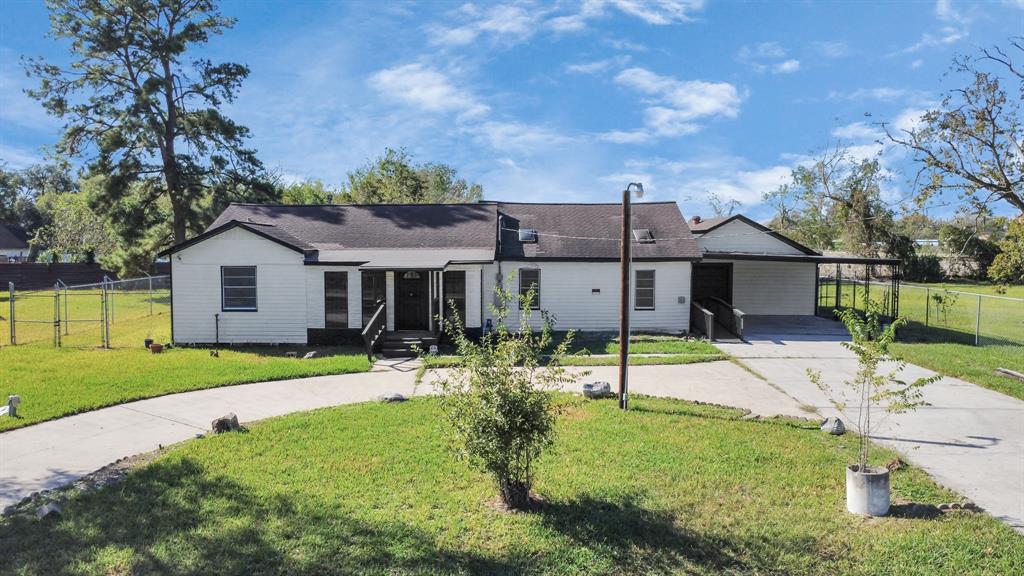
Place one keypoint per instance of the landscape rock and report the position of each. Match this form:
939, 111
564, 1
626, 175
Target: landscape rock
597, 390
49, 509
226, 423
833, 426
392, 397
310, 354
10, 510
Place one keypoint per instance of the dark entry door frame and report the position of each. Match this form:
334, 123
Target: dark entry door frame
412, 300
710, 279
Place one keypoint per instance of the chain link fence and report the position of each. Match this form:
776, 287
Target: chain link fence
111, 313
934, 313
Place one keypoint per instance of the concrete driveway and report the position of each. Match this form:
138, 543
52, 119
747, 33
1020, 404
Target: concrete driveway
970, 439
51, 454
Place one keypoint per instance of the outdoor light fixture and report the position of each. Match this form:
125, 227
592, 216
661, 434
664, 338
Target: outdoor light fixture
627, 267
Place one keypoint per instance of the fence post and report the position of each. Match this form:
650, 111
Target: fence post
150, 293
103, 315
10, 315
56, 317
110, 298
977, 324
927, 304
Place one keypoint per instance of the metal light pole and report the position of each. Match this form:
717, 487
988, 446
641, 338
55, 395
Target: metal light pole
626, 264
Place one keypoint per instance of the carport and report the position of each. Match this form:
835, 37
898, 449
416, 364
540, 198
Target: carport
735, 293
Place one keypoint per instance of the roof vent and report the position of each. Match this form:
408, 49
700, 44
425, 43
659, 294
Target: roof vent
528, 235
643, 236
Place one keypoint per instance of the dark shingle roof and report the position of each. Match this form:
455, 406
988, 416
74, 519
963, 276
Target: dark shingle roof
12, 236
565, 231
341, 226
591, 231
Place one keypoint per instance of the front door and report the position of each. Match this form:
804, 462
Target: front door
412, 301
712, 280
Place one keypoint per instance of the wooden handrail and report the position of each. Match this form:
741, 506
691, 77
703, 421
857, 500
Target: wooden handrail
375, 329
703, 319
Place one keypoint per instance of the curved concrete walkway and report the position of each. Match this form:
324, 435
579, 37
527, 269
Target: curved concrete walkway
52, 454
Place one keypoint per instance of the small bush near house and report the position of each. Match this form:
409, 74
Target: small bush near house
500, 399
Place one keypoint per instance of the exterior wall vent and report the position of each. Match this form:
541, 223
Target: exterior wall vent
527, 235
643, 236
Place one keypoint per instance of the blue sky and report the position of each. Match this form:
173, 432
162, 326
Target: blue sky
566, 101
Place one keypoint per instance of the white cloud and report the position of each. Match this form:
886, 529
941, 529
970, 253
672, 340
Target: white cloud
831, 48
767, 56
880, 93
786, 67
17, 158
654, 12
597, 65
744, 186
917, 63
857, 131
692, 99
503, 22
516, 136
945, 11
673, 106
946, 35
425, 88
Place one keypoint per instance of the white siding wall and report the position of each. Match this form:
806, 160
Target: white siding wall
473, 294
738, 236
280, 291
785, 288
315, 295
567, 292
389, 299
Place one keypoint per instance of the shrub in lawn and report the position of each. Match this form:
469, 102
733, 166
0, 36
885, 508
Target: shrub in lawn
499, 399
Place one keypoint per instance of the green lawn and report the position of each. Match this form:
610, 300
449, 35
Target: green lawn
669, 487
58, 382
601, 343
975, 364
135, 316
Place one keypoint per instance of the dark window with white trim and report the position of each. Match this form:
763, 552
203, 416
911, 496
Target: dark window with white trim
335, 300
644, 297
530, 278
238, 288
455, 291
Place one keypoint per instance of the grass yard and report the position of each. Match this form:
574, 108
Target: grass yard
58, 382
941, 328
603, 343
975, 364
669, 487
135, 316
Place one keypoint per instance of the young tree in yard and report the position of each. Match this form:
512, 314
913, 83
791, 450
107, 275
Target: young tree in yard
73, 228
500, 398
870, 389
146, 113
1008, 265
973, 142
394, 178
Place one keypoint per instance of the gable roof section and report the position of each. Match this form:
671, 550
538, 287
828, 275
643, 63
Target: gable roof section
269, 232
705, 226
348, 226
592, 231
13, 236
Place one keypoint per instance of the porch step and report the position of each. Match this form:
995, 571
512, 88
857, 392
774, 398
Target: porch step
403, 344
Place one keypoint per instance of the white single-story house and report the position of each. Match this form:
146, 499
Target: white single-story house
328, 273
13, 242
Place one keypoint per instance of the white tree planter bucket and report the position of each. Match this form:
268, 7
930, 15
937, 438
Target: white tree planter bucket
867, 492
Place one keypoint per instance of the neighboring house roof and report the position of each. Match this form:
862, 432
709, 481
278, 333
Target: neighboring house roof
592, 231
13, 236
704, 226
